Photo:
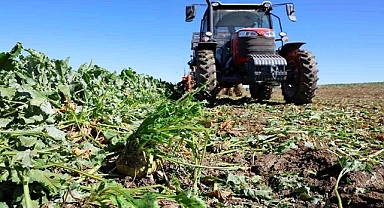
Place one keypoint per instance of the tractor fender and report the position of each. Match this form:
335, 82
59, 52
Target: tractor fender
284, 51
207, 46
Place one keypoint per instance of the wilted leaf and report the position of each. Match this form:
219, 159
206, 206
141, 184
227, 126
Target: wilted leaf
69, 105
260, 193
85, 154
235, 179
221, 195
381, 137
235, 133
286, 146
303, 193
226, 125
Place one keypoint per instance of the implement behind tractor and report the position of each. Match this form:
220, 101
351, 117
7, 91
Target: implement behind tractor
237, 45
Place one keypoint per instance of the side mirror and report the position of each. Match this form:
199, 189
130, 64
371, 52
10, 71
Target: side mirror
190, 13
291, 12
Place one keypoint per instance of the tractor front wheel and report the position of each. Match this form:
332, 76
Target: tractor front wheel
302, 79
206, 74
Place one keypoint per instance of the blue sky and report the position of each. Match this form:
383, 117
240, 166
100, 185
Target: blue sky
152, 37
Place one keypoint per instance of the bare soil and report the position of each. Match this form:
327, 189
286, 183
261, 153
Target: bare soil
325, 164
274, 173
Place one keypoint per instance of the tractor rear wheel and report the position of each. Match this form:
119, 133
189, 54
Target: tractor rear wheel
261, 91
206, 74
302, 79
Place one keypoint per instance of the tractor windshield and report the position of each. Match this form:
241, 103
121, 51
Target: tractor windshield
226, 22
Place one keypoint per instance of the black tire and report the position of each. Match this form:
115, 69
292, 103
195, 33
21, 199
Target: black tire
206, 74
261, 91
302, 78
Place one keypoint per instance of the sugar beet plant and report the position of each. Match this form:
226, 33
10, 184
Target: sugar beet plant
58, 125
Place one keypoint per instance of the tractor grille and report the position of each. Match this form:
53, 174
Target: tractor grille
256, 45
268, 60
267, 68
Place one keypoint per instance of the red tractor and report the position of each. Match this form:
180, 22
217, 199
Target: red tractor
237, 45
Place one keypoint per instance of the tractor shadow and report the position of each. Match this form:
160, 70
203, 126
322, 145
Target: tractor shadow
241, 102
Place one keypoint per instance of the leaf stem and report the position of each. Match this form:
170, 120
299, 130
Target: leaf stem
93, 171
339, 200
203, 166
78, 171
21, 133
27, 196
198, 170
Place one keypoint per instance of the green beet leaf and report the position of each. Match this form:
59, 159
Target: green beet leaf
7, 92
55, 133
3, 205
27, 141
50, 181
4, 122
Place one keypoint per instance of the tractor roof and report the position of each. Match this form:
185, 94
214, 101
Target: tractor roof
217, 5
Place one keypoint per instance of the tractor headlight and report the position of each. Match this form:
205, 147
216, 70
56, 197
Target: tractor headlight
247, 34
270, 34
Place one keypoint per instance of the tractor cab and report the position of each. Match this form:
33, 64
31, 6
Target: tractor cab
228, 22
231, 17
223, 23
